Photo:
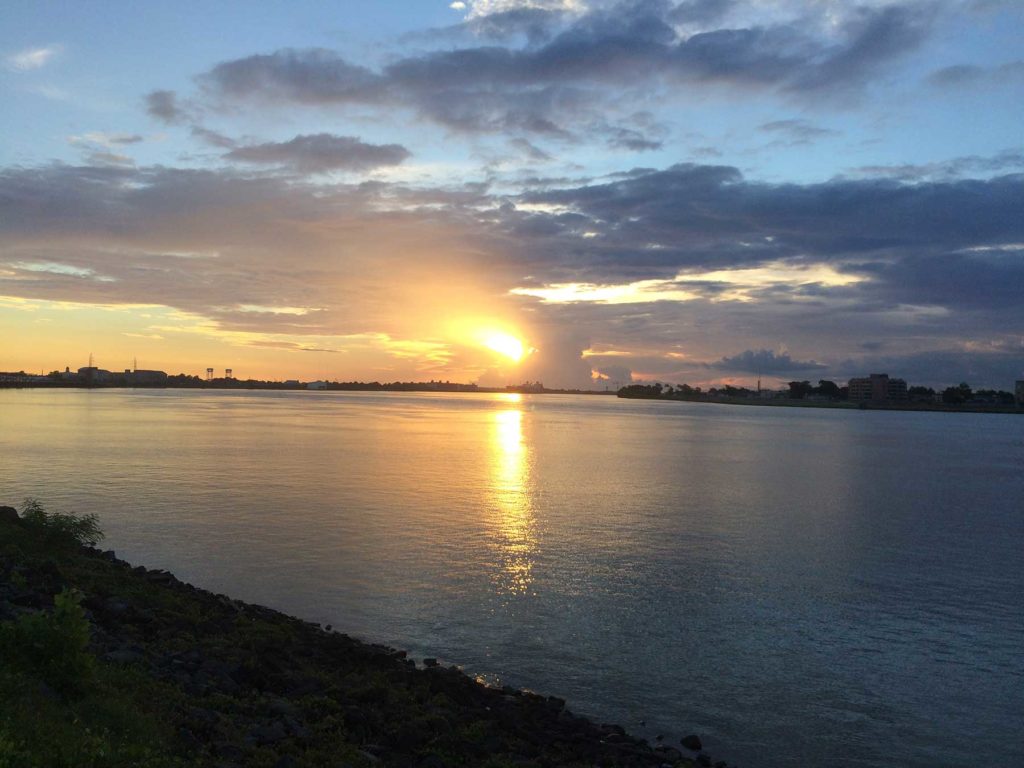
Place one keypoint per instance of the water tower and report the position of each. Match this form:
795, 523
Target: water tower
209, 374
227, 373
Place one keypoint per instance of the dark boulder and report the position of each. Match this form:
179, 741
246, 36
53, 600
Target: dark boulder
9, 515
228, 751
556, 703
692, 742
269, 733
668, 754
124, 656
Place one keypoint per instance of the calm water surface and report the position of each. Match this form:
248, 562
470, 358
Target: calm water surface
800, 587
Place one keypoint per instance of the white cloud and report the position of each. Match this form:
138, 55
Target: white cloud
478, 8
32, 58
741, 283
104, 139
458, 5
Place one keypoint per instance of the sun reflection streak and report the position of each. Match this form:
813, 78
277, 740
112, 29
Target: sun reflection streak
515, 534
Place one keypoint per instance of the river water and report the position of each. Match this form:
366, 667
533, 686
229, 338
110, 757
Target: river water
800, 587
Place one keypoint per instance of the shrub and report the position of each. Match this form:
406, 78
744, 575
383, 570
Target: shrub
54, 645
60, 527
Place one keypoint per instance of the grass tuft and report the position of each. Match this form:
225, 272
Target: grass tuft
61, 527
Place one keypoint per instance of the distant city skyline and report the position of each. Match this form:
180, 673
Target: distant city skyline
495, 191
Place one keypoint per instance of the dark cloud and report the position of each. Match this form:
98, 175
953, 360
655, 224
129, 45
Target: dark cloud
164, 106
529, 150
535, 24
629, 138
873, 39
213, 138
972, 281
109, 158
797, 131
960, 75
290, 345
309, 76
765, 361
322, 152
709, 215
700, 11
1007, 161
560, 83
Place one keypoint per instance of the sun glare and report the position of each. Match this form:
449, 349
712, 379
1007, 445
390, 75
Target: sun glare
506, 345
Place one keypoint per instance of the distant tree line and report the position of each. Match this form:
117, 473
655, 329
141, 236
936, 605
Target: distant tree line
962, 394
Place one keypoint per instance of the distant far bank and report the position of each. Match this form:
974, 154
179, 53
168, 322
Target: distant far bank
21, 380
644, 392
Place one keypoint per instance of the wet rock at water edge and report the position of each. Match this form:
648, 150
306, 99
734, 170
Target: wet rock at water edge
692, 742
610, 729
667, 753
430, 662
9, 515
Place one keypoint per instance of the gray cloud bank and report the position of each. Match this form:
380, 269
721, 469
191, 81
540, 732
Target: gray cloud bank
568, 75
940, 264
767, 362
322, 152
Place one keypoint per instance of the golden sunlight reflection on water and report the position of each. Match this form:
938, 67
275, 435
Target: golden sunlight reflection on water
513, 526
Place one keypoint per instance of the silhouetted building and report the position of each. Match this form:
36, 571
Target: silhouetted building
877, 388
20, 377
92, 374
139, 376
317, 385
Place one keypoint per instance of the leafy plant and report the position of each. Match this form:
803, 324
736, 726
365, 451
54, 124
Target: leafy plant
54, 645
61, 527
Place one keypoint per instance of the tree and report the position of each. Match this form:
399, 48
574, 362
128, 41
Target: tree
827, 388
957, 395
798, 390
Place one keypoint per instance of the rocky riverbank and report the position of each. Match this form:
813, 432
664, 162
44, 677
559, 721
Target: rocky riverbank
172, 675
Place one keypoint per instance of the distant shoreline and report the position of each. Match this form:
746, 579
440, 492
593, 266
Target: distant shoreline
472, 389
331, 387
835, 404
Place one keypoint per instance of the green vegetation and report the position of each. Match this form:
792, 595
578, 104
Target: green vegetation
59, 706
54, 645
60, 527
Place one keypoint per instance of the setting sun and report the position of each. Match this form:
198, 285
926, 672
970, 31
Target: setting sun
506, 345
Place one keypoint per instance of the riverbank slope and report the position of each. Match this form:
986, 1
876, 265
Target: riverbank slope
105, 664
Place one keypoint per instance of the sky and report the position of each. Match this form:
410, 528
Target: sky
705, 191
